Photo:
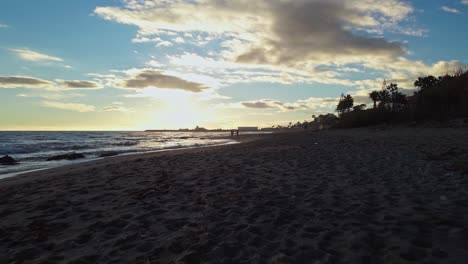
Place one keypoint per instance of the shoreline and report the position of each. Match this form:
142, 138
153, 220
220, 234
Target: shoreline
341, 196
124, 156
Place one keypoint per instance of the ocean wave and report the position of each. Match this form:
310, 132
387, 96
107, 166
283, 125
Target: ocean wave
126, 143
32, 148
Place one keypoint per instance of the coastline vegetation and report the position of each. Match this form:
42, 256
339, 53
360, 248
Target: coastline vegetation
440, 99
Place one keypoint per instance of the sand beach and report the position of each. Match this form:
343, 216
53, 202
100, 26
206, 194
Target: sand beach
345, 196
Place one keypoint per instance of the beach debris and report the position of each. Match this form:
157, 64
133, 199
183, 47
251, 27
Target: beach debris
7, 160
108, 154
68, 156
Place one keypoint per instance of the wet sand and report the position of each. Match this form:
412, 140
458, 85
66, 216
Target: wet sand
345, 196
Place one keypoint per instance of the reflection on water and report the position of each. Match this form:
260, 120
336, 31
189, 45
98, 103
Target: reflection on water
31, 149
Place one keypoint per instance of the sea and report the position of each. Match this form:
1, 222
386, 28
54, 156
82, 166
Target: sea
31, 149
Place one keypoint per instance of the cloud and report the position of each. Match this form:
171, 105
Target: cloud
404, 71
311, 103
450, 10
80, 84
115, 107
22, 81
49, 94
229, 72
82, 108
288, 33
179, 40
151, 78
465, 2
32, 82
30, 55
154, 64
316, 31
160, 42
259, 104
4, 26
287, 41
164, 44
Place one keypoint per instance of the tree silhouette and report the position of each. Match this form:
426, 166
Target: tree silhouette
345, 104
375, 97
423, 83
442, 98
359, 107
384, 96
392, 89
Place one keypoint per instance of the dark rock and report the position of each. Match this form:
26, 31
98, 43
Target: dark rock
68, 156
109, 154
7, 160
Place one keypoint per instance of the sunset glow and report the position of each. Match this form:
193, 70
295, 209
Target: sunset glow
136, 64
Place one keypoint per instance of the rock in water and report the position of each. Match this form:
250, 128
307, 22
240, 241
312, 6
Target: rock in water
7, 160
69, 156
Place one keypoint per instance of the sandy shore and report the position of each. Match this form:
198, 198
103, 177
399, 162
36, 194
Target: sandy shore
349, 196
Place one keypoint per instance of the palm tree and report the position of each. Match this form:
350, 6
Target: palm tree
384, 96
375, 97
345, 104
392, 88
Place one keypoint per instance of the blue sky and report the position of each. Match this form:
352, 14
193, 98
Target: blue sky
137, 64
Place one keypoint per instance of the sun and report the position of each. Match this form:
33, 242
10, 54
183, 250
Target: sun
175, 109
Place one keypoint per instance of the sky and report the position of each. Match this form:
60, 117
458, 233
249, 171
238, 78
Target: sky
153, 64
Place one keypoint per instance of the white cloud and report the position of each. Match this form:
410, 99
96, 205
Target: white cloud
229, 72
30, 55
150, 78
179, 40
79, 84
4, 26
312, 103
286, 42
23, 81
50, 94
154, 64
32, 82
289, 41
287, 33
164, 44
450, 10
465, 2
76, 107
115, 107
